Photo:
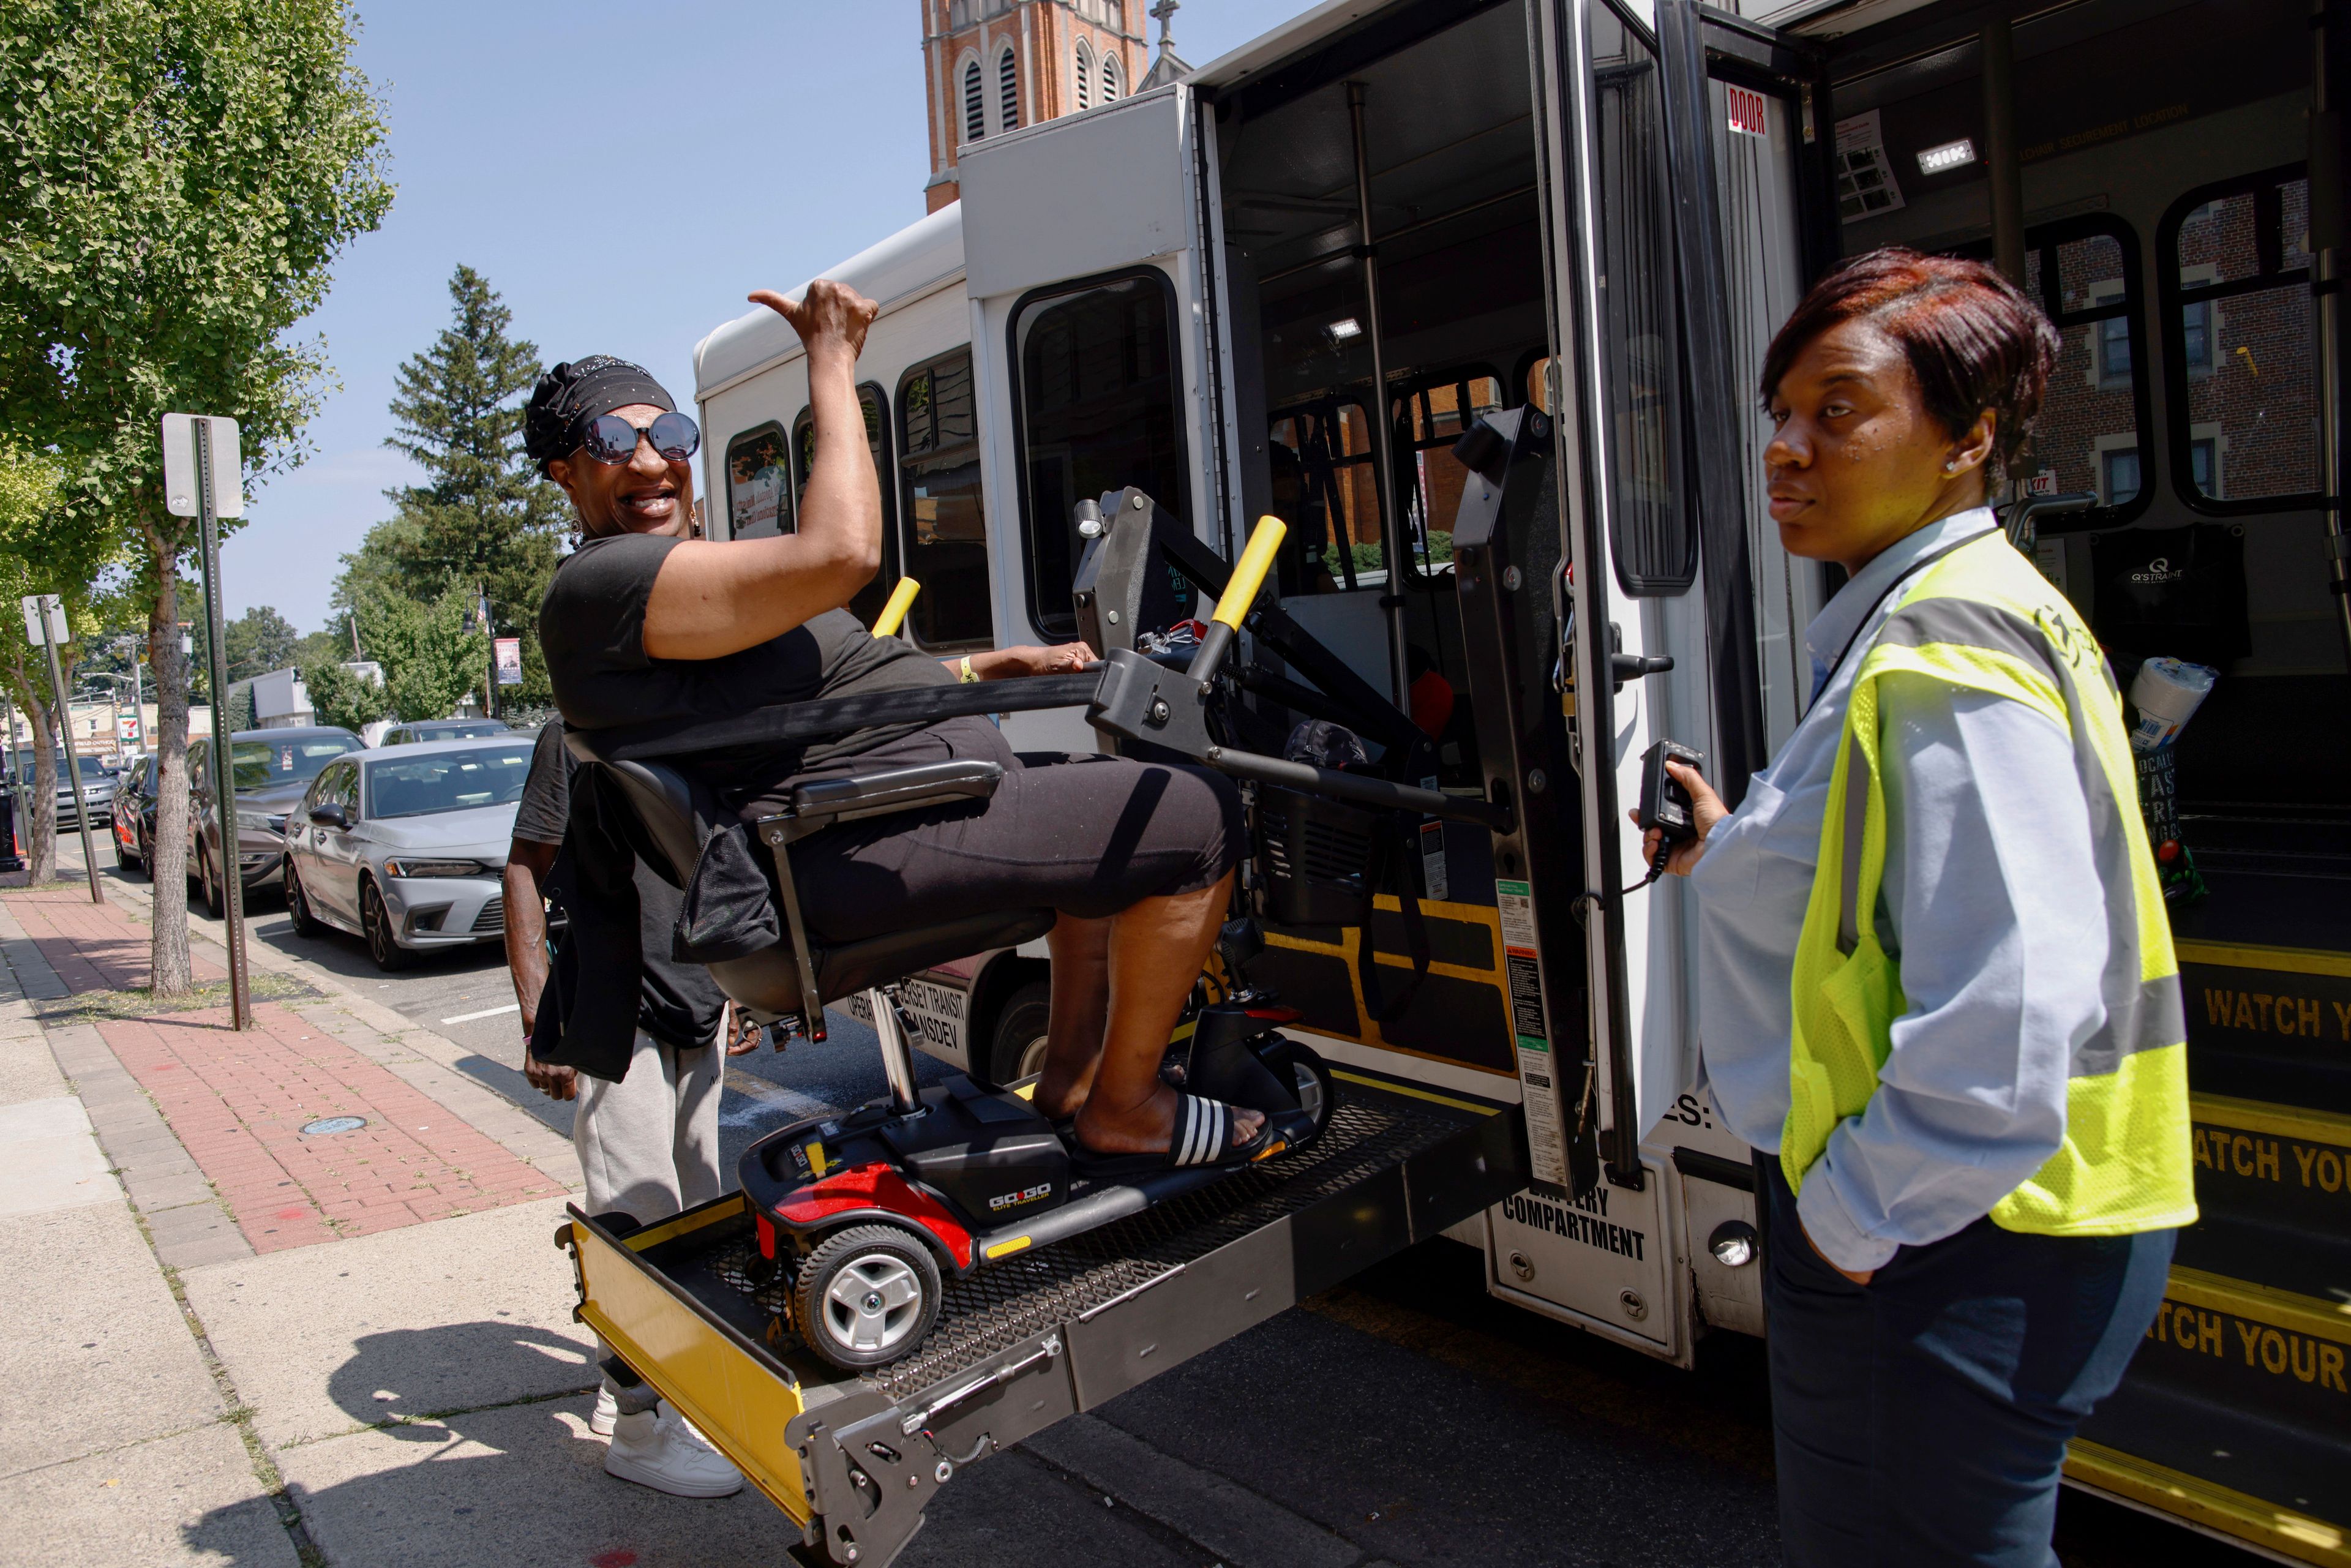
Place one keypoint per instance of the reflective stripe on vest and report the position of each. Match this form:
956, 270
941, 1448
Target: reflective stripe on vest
1984, 619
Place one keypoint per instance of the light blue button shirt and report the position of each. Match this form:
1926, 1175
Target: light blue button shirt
1991, 902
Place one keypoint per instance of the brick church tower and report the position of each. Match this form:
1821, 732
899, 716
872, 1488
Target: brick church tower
992, 65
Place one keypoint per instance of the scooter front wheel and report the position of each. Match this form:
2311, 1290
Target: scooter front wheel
866, 1296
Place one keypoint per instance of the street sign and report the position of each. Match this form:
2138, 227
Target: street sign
510, 660
126, 728
33, 605
180, 465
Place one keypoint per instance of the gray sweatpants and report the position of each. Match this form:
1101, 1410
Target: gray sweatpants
648, 1146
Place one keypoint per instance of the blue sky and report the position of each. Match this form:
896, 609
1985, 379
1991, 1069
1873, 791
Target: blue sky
623, 174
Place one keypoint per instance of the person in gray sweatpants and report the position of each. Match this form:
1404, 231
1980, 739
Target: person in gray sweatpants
647, 1141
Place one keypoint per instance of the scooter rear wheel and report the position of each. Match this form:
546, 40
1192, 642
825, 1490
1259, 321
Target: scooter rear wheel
866, 1296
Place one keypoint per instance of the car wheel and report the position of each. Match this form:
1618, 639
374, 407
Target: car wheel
375, 922
866, 1295
125, 860
1018, 1051
305, 923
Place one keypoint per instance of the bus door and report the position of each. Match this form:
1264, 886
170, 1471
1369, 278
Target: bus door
1093, 343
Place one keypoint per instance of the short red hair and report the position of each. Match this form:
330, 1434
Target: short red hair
1974, 340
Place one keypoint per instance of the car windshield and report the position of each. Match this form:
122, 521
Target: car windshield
92, 767
262, 763
447, 781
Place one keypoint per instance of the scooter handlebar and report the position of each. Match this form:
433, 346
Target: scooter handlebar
894, 615
1240, 592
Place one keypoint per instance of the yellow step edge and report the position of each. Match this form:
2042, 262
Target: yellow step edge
2285, 960
2262, 1304
2280, 1530
2280, 1121
1387, 1086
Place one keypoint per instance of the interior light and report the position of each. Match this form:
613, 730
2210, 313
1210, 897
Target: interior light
1341, 330
1950, 155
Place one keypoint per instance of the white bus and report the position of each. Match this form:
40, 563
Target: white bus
1581, 220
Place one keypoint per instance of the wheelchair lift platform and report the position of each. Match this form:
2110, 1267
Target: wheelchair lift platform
854, 1460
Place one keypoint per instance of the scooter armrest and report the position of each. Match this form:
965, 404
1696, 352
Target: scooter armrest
826, 800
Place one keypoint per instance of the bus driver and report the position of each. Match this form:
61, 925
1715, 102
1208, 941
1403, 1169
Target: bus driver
645, 623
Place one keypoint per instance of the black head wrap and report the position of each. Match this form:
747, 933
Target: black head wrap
575, 392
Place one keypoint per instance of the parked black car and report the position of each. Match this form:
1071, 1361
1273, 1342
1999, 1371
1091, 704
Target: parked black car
274, 767
134, 815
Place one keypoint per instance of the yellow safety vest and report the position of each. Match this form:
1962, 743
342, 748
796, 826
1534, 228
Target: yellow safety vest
1981, 618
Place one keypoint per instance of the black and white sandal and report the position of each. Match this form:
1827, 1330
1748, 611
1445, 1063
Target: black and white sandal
1204, 1131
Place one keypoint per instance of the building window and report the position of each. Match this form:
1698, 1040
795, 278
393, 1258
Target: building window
1008, 92
2118, 479
944, 542
1084, 74
975, 103
1432, 412
2242, 364
758, 484
2114, 336
876, 406
2196, 336
1100, 394
1113, 85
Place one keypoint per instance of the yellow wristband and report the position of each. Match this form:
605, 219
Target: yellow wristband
970, 676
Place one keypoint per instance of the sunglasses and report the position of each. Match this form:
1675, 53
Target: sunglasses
611, 439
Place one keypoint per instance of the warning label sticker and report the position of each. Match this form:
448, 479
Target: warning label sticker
1537, 1072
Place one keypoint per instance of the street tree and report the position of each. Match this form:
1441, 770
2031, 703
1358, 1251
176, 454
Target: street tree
432, 651
257, 642
182, 174
41, 552
483, 520
343, 696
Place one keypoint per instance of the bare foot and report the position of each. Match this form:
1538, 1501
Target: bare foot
1150, 1128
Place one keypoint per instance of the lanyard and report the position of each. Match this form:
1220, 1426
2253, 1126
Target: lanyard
1905, 575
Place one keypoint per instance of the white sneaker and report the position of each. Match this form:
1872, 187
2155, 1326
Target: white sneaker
658, 1454
607, 1411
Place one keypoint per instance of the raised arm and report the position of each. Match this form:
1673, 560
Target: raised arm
713, 599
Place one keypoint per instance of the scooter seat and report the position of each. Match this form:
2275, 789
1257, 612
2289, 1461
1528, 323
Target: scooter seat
767, 982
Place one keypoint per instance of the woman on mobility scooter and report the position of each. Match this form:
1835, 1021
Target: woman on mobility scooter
646, 622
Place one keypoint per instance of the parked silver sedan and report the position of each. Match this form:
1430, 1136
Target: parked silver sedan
404, 847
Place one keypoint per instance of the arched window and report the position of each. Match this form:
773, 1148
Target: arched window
1112, 85
975, 103
1084, 74
1007, 92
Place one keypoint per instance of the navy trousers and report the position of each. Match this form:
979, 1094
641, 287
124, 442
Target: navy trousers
1921, 1419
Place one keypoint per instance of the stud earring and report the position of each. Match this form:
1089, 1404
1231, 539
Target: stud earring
1951, 465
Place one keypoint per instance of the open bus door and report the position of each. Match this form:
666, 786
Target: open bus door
1690, 203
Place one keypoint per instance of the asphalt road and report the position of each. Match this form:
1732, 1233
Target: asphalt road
1407, 1417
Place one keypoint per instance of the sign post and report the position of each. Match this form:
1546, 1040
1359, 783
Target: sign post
202, 479
45, 623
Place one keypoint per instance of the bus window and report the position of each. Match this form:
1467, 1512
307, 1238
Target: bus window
1324, 486
759, 489
2092, 434
1098, 394
2241, 360
1649, 533
1437, 408
875, 403
945, 540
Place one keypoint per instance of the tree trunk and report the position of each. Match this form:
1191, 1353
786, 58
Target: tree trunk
168, 871
40, 837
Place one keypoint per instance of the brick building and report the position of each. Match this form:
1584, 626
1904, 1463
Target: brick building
993, 66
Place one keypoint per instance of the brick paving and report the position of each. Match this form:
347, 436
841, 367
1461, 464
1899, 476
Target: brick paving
237, 1101
92, 946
